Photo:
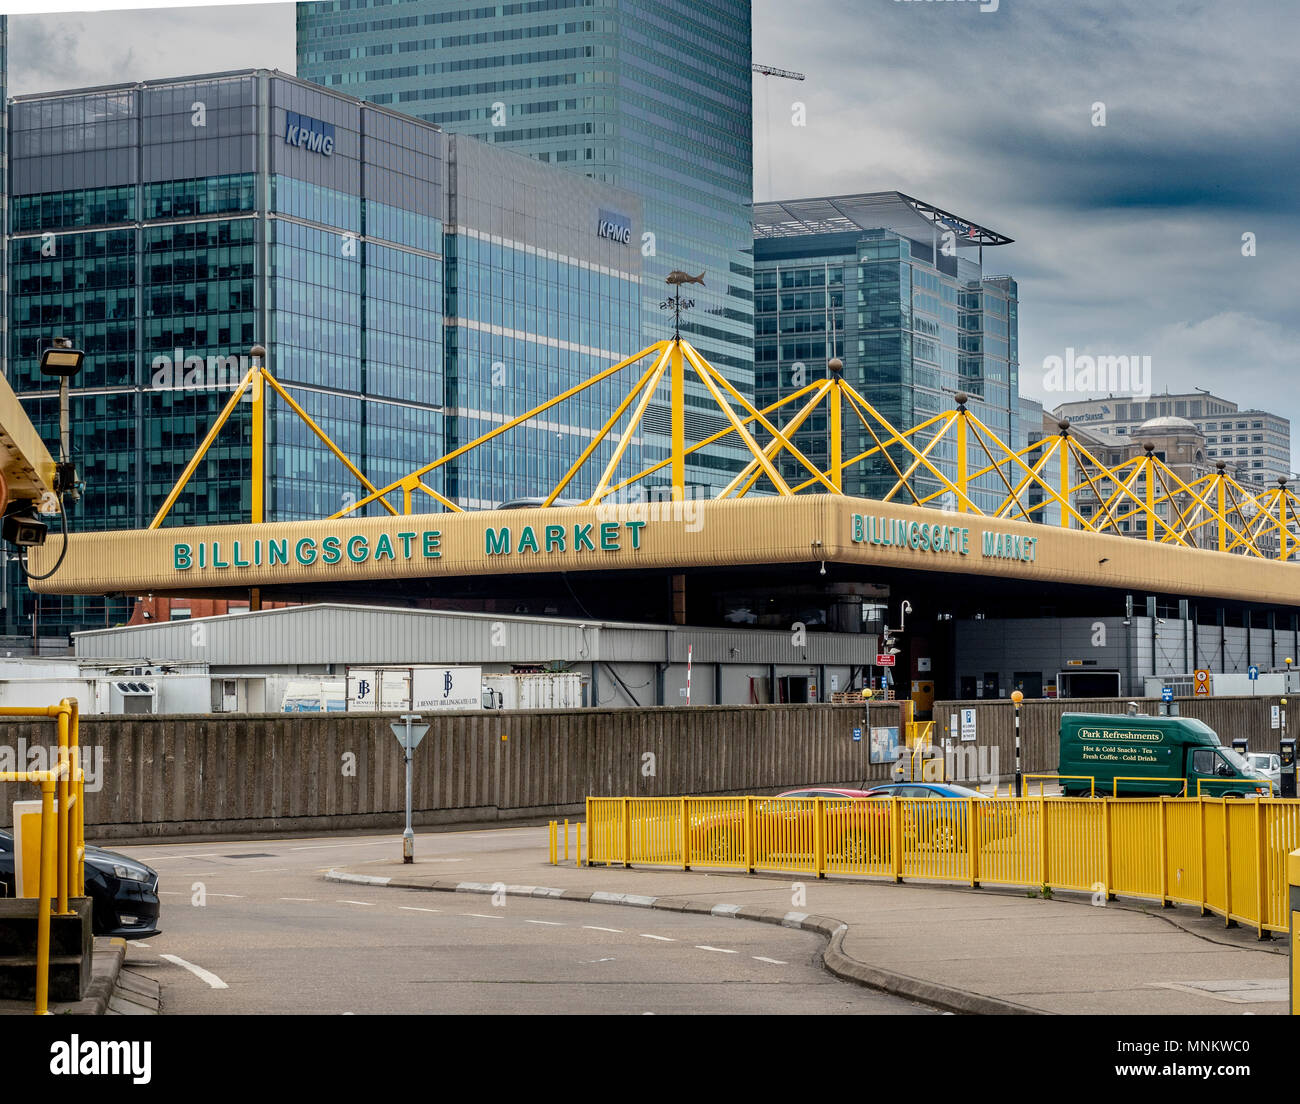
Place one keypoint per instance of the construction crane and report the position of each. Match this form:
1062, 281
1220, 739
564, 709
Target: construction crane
784, 74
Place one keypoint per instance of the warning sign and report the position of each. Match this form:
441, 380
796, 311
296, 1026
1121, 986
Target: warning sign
1201, 683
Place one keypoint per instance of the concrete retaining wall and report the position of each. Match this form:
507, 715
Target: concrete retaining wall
1040, 724
183, 775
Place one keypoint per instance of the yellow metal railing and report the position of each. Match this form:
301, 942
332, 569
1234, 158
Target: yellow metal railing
1114, 785
63, 827
1043, 779
1224, 855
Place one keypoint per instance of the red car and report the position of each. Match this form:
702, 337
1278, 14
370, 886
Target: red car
857, 831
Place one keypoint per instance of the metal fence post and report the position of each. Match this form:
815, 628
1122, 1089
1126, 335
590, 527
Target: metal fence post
1164, 854
45, 890
686, 837
1261, 873
1228, 922
1105, 847
749, 835
973, 842
1042, 839
1205, 888
896, 832
819, 838
1293, 878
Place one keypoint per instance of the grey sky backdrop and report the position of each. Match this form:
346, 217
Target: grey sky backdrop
1128, 236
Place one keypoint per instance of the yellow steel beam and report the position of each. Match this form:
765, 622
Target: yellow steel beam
202, 450
704, 371
711, 376
677, 419
519, 420
752, 471
792, 397
653, 373
324, 437
905, 477
648, 386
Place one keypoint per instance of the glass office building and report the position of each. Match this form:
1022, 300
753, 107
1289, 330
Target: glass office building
166, 227
650, 95
896, 289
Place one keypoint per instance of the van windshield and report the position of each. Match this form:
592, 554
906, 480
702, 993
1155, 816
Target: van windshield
1237, 760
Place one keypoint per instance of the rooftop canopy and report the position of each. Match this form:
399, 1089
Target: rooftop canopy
870, 211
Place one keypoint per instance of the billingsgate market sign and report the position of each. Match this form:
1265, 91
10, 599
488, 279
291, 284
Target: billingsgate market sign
545, 540
293, 557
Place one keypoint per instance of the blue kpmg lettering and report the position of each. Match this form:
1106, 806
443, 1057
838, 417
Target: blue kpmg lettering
310, 134
615, 226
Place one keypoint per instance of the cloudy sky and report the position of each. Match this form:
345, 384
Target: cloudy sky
1128, 236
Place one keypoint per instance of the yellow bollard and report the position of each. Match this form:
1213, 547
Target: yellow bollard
577, 855
64, 768
566, 839
45, 890
1293, 872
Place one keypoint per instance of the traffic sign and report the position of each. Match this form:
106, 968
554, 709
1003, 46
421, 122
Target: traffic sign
1167, 694
968, 724
1201, 683
884, 660
857, 735
400, 730
1252, 672
1276, 719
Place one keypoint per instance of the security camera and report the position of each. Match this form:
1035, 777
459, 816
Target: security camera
24, 529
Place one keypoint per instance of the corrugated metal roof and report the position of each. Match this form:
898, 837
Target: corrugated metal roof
344, 634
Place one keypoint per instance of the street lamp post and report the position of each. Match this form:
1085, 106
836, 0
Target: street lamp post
1016, 698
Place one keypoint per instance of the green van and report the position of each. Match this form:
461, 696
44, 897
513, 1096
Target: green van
1151, 756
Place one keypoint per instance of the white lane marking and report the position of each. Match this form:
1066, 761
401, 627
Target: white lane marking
720, 950
327, 846
773, 961
661, 938
269, 869
240, 895
345, 901
483, 916
593, 927
548, 923
137, 943
416, 908
297, 898
198, 971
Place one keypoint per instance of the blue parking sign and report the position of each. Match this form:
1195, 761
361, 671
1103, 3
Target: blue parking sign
857, 735
1167, 694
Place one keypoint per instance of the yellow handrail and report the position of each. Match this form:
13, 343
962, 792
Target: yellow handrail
1114, 785
1092, 782
63, 823
1230, 855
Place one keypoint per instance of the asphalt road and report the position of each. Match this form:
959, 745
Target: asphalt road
252, 927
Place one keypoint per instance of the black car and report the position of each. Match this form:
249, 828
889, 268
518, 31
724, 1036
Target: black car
123, 892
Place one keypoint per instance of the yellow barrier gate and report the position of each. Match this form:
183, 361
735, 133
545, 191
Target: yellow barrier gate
63, 824
1227, 856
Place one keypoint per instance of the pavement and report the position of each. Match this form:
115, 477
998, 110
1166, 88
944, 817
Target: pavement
954, 948
113, 990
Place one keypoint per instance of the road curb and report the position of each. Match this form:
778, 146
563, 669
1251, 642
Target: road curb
946, 998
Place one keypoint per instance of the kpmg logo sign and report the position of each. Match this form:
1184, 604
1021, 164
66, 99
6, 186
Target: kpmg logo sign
613, 225
307, 133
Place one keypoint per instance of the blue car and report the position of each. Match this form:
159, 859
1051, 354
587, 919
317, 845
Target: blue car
941, 826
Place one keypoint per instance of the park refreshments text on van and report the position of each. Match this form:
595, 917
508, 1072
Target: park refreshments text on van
1137, 756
